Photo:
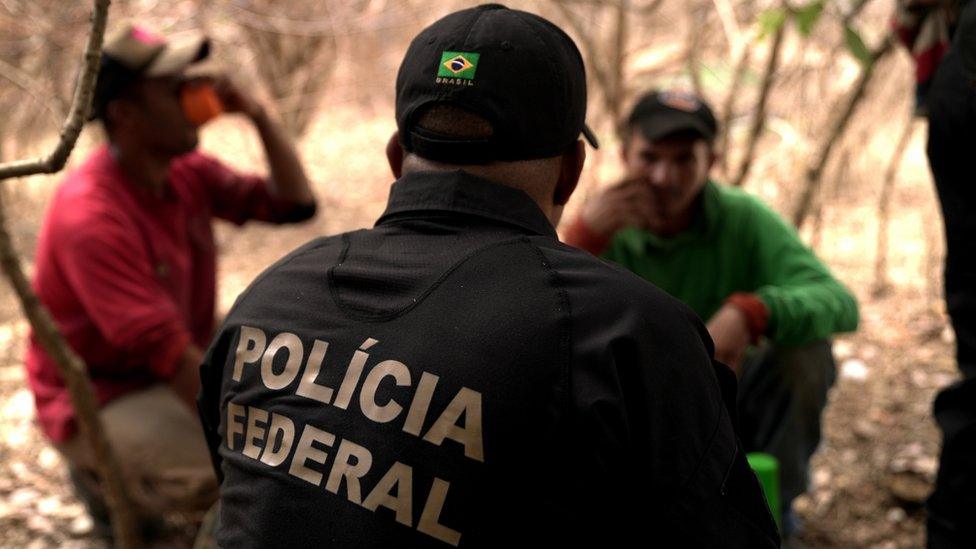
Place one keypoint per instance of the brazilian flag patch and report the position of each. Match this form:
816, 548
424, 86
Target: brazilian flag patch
458, 64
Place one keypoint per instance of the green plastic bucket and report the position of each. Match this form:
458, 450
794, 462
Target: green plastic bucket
766, 468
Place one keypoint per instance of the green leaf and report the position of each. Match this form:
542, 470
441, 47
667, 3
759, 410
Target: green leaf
857, 47
770, 21
806, 17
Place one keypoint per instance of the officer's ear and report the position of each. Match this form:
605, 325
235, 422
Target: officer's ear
569, 173
394, 154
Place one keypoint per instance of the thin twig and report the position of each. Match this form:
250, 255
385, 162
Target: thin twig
619, 58
741, 53
79, 106
759, 116
814, 172
590, 51
31, 87
610, 77
855, 10
696, 33
730, 25
647, 10
312, 27
846, 19
881, 283
728, 108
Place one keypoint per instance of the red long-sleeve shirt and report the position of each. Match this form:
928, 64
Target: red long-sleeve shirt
130, 277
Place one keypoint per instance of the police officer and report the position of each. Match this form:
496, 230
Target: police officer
456, 376
951, 144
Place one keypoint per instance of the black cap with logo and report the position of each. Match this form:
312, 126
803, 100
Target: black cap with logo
665, 112
520, 72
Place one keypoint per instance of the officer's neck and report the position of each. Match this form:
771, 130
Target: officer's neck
541, 194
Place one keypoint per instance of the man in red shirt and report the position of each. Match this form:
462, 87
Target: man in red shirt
126, 265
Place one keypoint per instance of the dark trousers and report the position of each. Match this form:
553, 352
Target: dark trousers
951, 149
952, 505
782, 394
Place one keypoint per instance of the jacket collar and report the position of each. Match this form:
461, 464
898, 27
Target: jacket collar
459, 192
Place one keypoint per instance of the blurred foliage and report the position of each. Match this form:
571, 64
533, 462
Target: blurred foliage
857, 47
806, 17
771, 20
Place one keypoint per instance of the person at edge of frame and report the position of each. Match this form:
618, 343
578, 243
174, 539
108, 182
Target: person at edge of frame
951, 142
126, 264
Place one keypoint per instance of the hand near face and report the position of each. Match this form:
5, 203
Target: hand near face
730, 332
625, 204
234, 98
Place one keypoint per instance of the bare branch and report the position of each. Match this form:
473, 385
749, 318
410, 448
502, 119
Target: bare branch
83, 399
696, 33
312, 28
590, 51
648, 9
845, 110
29, 86
881, 283
728, 108
79, 106
846, 19
730, 25
71, 368
610, 77
855, 10
759, 116
619, 59
295, 69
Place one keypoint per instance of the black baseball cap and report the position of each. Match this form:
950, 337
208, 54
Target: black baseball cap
520, 72
664, 112
133, 52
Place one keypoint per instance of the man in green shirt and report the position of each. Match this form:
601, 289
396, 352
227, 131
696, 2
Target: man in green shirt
770, 304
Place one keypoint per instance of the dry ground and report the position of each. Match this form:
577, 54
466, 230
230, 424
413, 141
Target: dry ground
879, 454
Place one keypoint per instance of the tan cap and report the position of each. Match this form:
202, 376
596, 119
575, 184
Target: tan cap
132, 52
150, 54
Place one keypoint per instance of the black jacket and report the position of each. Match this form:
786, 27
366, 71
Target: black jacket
456, 375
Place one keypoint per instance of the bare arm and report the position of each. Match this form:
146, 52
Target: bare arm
287, 174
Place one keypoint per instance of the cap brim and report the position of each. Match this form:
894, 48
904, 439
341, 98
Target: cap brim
665, 124
177, 56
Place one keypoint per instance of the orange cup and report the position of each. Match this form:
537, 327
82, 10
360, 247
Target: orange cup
200, 102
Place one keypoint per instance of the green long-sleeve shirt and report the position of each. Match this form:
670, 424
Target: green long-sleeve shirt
738, 244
